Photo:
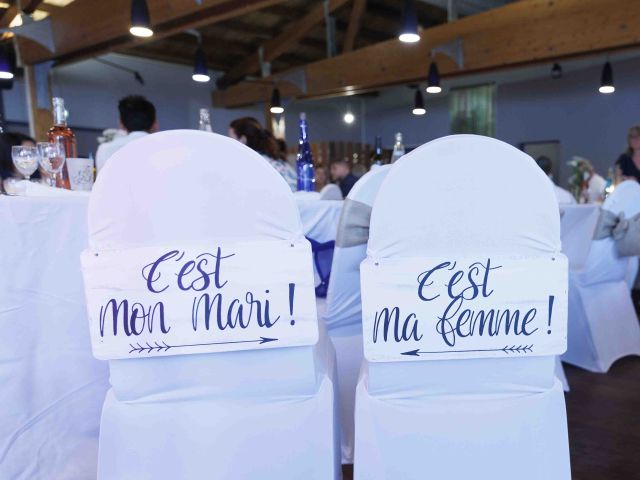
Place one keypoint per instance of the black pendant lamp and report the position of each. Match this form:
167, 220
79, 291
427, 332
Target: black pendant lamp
433, 79
6, 63
418, 104
200, 71
606, 79
140, 19
276, 102
409, 30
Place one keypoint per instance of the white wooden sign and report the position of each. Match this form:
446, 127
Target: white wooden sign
217, 297
464, 307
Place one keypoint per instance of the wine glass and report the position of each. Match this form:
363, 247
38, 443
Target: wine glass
52, 158
25, 159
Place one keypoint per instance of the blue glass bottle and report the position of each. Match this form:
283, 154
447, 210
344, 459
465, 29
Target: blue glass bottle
304, 160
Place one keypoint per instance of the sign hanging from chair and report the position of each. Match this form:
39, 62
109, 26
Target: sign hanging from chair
460, 307
214, 297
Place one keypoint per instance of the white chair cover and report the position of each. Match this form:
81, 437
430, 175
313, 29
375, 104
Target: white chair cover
632, 272
603, 325
51, 387
577, 226
265, 414
481, 418
331, 191
343, 316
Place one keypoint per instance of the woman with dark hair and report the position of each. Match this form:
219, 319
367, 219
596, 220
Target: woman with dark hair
8, 140
248, 130
628, 164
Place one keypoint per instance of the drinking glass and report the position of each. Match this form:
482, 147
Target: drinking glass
52, 158
25, 159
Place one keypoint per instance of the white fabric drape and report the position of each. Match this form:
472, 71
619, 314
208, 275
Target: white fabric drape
603, 325
51, 387
343, 316
448, 419
254, 414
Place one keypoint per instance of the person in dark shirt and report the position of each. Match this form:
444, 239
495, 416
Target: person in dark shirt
341, 174
628, 164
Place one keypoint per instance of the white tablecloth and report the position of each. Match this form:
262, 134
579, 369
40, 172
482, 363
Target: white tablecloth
51, 388
577, 225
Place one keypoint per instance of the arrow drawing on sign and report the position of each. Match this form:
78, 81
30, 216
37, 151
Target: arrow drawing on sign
507, 349
163, 347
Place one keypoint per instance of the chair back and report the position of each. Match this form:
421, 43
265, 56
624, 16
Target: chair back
344, 309
181, 188
461, 197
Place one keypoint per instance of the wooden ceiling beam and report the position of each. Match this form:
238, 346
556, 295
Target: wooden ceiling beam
284, 42
84, 29
355, 19
173, 58
520, 33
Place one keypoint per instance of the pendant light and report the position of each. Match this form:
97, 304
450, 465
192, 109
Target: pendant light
349, 117
556, 71
140, 20
418, 104
433, 79
606, 79
276, 102
200, 71
409, 31
6, 65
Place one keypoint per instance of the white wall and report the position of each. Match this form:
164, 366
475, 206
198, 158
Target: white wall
91, 91
570, 110
530, 106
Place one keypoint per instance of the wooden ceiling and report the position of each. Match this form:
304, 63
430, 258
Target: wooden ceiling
292, 36
230, 42
287, 33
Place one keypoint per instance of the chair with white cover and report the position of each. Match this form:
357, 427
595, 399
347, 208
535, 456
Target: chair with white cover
343, 311
496, 418
603, 324
577, 224
251, 413
632, 272
331, 191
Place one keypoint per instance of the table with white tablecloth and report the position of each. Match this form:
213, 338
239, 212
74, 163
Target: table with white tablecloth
52, 387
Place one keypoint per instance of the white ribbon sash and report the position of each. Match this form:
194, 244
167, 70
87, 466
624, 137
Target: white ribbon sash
624, 232
177, 300
458, 307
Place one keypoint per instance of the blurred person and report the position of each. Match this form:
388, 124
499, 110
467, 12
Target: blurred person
137, 118
628, 164
563, 196
321, 178
341, 174
594, 184
247, 130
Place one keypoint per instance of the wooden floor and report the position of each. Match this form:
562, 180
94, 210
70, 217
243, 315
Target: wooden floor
604, 423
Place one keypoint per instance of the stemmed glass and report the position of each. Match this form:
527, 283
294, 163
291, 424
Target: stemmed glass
25, 159
52, 158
